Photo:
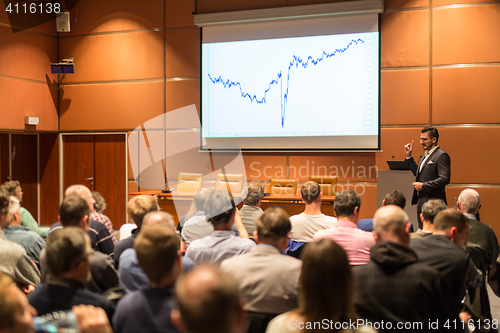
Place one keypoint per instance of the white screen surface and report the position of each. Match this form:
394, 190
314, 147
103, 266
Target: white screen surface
297, 84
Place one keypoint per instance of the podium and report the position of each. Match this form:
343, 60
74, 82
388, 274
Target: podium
389, 180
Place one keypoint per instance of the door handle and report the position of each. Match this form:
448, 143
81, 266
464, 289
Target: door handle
91, 180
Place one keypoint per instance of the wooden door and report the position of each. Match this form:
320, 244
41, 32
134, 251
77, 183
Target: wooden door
110, 175
4, 158
98, 162
24, 155
78, 160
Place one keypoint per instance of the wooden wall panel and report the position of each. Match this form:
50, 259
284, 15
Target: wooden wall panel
129, 56
215, 6
27, 55
132, 140
179, 13
456, 2
468, 95
489, 203
182, 93
405, 4
405, 39
183, 52
404, 97
263, 167
96, 16
110, 107
472, 152
466, 34
358, 167
312, 2
47, 27
20, 99
49, 178
393, 142
4, 158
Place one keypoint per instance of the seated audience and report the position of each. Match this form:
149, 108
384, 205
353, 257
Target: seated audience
27, 219
222, 243
430, 209
16, 314
15, 232
267, 279
355, 242
132, 276
444, 251
68, 251
395, 197
148, 309
418, 293
208, 302
98, 214
307, 223
74, 212
13, 259
482, 246
137, 208
251, 211
99, 235
326, 293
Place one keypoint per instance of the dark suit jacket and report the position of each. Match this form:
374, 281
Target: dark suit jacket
435, 175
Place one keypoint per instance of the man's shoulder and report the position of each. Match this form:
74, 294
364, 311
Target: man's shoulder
98, 227
10, 248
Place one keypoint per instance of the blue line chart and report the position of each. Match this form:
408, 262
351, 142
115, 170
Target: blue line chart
294, 63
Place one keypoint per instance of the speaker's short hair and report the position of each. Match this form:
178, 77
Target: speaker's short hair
432, 131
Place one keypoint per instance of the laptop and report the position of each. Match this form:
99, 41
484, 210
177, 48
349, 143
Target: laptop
397, 165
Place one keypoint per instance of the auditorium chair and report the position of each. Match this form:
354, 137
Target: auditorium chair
189, 182
235, 182
328, 184
279, 187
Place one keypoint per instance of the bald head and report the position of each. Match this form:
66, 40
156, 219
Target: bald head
391, 223
82, 192
208, 301
469, 201
158, 217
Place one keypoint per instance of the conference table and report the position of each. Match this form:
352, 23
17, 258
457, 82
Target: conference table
177, 203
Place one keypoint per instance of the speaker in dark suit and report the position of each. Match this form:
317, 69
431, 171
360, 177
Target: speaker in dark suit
432, 173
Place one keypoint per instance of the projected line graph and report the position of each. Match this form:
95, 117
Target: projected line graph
296, 61
269, 87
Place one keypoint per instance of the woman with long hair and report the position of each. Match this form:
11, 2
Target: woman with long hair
326, 296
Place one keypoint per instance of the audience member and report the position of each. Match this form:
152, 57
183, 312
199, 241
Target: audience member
430, 209
394, 287
98, 214
99, 235
32, 243
482, 246
198, 226
307, 223
208, 302
326, 293
16, 314
267, 279
395, 197
132, 276
251, 211
355, 242
222, 243
444, 251
13, 259
27, 220
137, 208
148, 309
68, 251
74, 212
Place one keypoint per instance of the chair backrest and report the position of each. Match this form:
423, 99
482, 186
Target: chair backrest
189, 182
235, 182
283, 186
328, 184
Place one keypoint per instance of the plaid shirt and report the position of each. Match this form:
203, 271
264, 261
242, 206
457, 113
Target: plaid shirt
106, 221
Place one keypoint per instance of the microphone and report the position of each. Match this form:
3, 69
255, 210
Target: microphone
169, 190
393, 157
265, 193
